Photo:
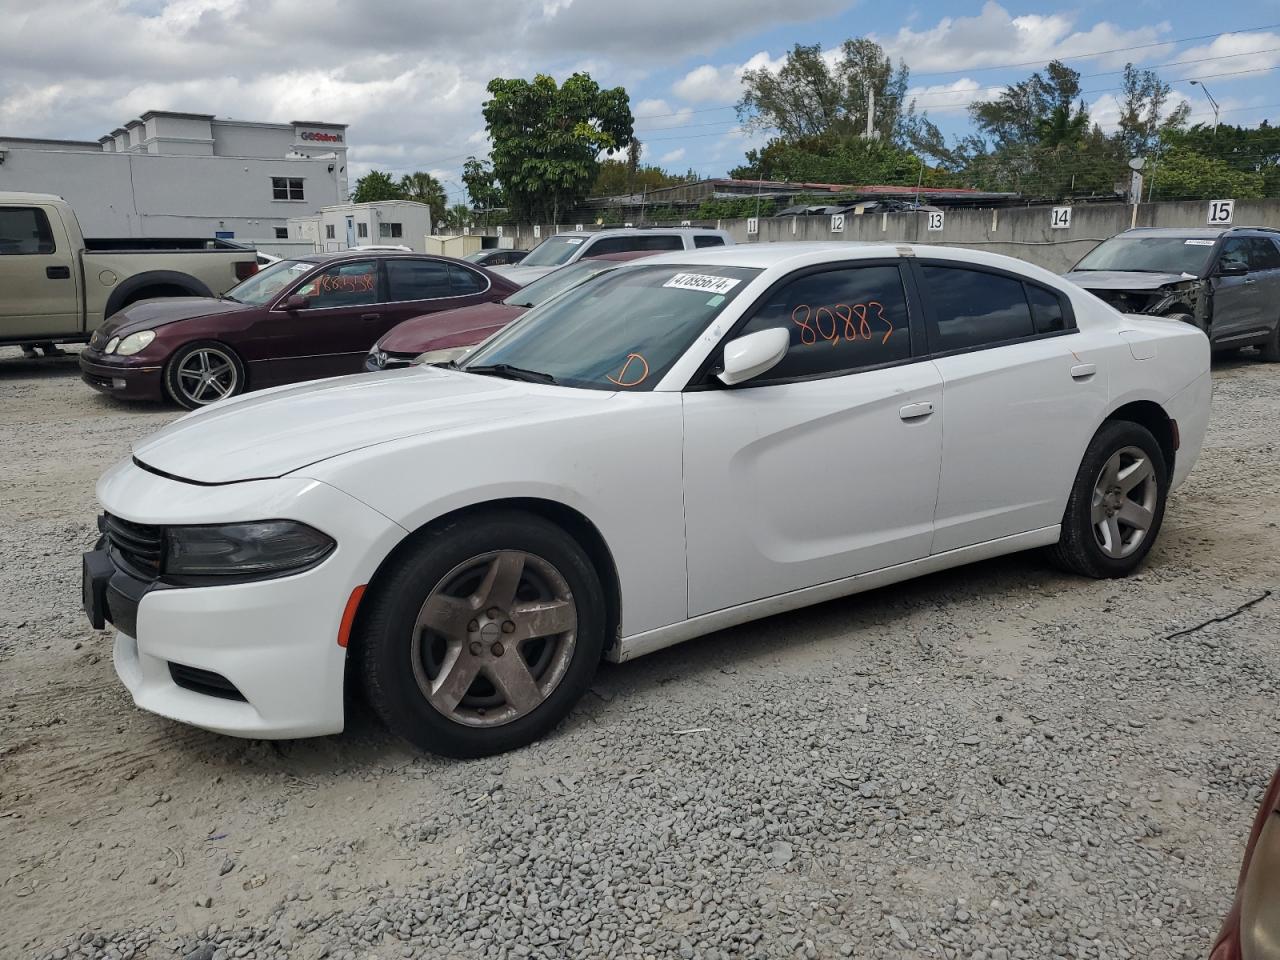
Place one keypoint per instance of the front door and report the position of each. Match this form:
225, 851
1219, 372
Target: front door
344, 316
351, 232
827, 465
1244, 305
39, 283
1023, 390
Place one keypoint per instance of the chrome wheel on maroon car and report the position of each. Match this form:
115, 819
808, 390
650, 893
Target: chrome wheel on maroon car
203, 373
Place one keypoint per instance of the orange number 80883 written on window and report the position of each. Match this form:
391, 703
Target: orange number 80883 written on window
852, 321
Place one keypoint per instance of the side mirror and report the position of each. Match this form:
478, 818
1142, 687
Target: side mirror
297, 302
1232, 268
748, 357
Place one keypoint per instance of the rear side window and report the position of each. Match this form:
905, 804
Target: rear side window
24, 231
840, 321
708, 241
1049, 311
638, 242
417, 280
1263, 254
970, 308
464, 282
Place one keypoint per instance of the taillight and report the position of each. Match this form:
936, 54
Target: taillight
246, 269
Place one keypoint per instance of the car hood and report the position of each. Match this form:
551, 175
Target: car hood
423, 333
521, 276
149, 314
1124, 279
274, 432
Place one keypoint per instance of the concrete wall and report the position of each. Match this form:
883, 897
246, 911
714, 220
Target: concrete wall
1023, 232
144, 195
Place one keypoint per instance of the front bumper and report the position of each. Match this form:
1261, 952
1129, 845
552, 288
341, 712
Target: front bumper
256, 659
143, 380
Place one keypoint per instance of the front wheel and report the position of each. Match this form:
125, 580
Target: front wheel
199, 374
1116, 505
484, 636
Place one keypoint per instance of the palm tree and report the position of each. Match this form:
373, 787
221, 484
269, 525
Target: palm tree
424, 188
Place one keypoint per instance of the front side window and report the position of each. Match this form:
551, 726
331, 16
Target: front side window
839, 321
627, 244
24, 231
971, 308
1256, 253
417, 280
620, 330
342, 285
286, 188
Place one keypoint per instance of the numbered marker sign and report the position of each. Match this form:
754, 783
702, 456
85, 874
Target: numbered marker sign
578, 228
686, 223
1061, 218
935, 220
537, 230
753, 226
1221, 211
628, 224
466, 229
499, 230
837, 223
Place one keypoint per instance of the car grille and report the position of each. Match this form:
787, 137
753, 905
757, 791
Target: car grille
139, 546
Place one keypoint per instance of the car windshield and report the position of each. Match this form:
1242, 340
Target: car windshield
1150, 255
265, 285
619, 330
544, 288
552, 251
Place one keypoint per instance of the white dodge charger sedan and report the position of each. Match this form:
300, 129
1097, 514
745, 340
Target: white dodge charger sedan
682, 444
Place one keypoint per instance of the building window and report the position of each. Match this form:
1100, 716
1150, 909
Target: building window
390, 230
282, 233
286, 188
362, 231
328, 231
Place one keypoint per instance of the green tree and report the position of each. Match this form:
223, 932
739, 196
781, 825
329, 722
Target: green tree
456, 217
546, 140
1246, 149
376, 185
482, 186
836, 159
1187, 175
1042, 110
424, 188
1144, 117
808, 97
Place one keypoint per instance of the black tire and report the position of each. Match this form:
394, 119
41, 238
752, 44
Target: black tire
1078, 549
178, 386
386, 641
1269, 351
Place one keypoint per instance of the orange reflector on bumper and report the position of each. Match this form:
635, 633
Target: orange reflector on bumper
349, 615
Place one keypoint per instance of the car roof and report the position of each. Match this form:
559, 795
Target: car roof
1195, 232
640, 231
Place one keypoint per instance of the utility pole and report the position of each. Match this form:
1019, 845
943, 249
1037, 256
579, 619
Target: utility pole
871, 112
1213, 102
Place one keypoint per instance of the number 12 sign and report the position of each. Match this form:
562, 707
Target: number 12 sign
1221, 211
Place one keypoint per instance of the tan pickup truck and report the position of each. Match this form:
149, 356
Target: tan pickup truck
56, 286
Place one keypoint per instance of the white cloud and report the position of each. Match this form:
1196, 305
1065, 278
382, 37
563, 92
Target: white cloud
657, 114
1231, 53
722, 84
994, 37
1105, 111
671, 156
954, 97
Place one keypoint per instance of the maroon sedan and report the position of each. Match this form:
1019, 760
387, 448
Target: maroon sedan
455, 330
1252, 928
297, 319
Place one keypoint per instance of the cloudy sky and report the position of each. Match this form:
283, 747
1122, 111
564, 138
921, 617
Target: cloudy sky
409, 75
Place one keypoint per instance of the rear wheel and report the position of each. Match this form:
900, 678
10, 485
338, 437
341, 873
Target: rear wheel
201, 373
1116, 505
484, 637
1270, 349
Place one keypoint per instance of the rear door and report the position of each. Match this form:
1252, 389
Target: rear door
1023, 391
417, 286
39, 282
331, 336
1238, 301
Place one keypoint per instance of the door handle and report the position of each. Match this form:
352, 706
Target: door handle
58, 273
370, 316
916, 411
1083, 371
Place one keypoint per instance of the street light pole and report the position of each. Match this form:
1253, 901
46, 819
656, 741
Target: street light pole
1197, 83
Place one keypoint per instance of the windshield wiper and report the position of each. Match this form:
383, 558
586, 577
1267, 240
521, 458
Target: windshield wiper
515, 303
511, 373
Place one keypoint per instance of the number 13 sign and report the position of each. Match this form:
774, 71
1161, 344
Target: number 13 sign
935, 220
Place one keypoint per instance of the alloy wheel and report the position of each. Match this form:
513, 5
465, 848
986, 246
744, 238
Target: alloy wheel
494, 638
1124, 502
206, 375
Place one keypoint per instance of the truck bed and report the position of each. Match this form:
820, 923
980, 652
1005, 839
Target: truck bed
154, 244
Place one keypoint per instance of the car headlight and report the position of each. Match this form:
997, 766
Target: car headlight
263, 548
134, 342
446, 355
111, 345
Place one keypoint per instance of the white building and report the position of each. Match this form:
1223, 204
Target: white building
344, 225
186, 174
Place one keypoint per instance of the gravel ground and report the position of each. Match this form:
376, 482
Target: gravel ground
997, 762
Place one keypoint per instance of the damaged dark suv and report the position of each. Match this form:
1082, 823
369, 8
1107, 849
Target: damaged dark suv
1226, 281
